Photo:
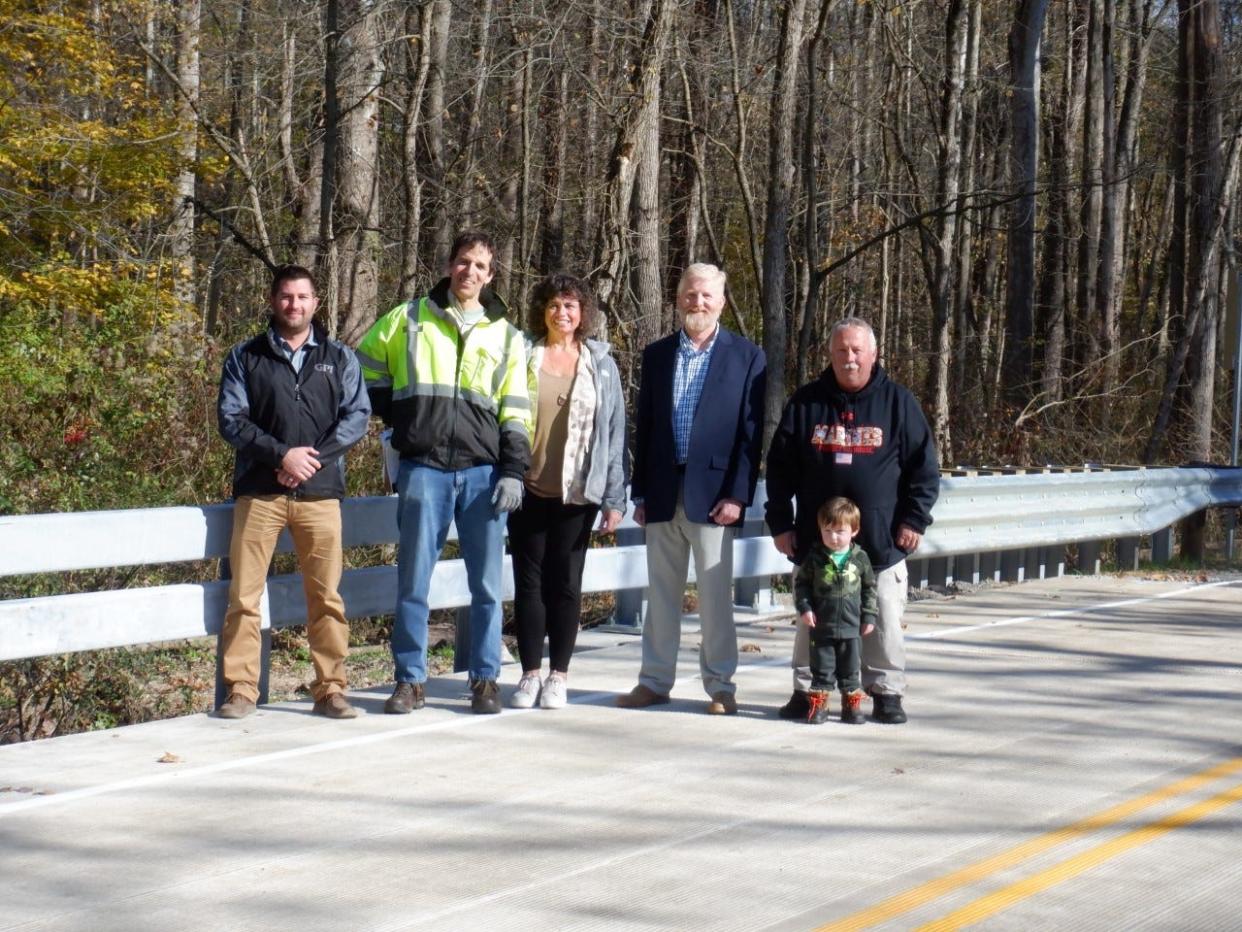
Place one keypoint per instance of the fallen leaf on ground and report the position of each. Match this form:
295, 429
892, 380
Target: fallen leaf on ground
169, 758
751, 649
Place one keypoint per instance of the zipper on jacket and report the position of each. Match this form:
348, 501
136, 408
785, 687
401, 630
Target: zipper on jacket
461, 355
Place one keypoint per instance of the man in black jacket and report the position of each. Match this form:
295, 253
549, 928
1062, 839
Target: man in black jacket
291, 403
852, 432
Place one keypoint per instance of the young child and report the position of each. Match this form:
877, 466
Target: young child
834, 591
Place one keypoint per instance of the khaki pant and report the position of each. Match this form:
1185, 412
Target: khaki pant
669, 546
883, 650
316, 528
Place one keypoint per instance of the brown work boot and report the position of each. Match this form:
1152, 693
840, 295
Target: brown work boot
335, 705
485, 697
723, 703
851, 707
237, 706
640, 697
817, 707
405, 699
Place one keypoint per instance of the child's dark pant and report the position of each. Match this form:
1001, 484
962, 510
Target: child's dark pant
836, 659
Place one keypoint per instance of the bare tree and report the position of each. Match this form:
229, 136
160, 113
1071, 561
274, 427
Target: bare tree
356, 221
181, 230
1025, 40
776, 220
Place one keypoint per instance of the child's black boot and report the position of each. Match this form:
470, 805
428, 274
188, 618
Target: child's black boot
851, 707
817, 707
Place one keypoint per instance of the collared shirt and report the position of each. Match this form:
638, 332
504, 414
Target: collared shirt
688, 379
295, 356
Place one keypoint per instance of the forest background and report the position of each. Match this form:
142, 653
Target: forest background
1034, 201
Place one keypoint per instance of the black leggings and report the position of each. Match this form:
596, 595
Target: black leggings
548, 540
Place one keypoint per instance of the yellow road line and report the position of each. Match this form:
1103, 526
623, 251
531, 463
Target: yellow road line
1002, 899
934, 889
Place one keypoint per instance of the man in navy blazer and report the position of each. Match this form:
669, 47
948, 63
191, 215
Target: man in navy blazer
698, 431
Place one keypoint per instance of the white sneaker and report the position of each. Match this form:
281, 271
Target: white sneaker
527, 692
554, 692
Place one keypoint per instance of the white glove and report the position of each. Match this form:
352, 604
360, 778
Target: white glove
508, 495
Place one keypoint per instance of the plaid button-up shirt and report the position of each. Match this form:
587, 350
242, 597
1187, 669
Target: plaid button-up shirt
688, 379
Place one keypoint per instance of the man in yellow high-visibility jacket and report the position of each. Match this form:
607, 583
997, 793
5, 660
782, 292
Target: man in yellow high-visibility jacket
447, 373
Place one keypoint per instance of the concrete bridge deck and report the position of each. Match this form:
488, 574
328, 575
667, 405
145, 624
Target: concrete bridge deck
1073, 759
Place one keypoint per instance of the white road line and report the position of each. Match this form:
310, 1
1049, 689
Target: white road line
1022, 619
1064, 612
168, 776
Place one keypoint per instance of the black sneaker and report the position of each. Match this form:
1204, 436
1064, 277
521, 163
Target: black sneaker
797, 707
817, 707
886, 709
405, 699
486, 699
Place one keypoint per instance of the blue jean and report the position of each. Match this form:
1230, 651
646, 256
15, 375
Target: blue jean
428, 500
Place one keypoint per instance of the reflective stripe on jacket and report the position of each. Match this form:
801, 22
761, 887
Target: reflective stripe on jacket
455, 397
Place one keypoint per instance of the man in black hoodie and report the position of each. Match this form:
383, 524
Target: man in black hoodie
852, 432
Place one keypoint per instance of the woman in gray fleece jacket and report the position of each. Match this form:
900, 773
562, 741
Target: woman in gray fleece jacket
577, 471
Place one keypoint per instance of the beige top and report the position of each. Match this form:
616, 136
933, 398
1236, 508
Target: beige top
547, 454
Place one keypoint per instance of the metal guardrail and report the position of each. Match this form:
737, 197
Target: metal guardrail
984, 525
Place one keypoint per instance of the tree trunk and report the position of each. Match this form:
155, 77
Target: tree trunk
556, 153
359, 247
1092, 177
1025, 42
481, 55
810, 188
1207, 79
648, 291
1054, 274
331, 141
418, 63
442, 210
612, 235
948, 180
776, 225
181, 230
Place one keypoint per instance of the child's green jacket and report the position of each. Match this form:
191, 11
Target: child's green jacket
843, 599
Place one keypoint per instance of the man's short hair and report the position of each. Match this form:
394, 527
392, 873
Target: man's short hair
704, 270
553, 286
291, 273
837, 511
847, 323
468, 240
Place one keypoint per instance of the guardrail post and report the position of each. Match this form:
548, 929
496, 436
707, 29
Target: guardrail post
1162, 546
1127, 553
461, 639
916, 572
1012, 568
753, 593
1053, 561
940, 571
1033, 560
990, 566
968, 566
1088, 561
631, 604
